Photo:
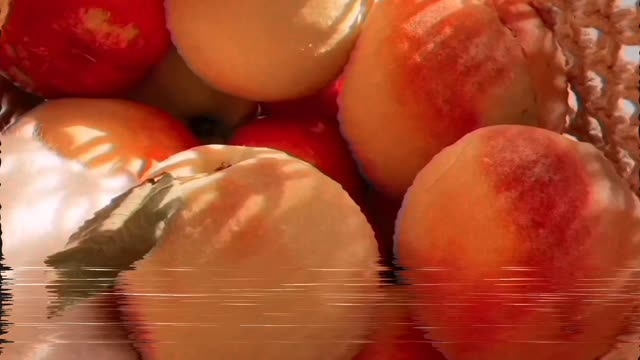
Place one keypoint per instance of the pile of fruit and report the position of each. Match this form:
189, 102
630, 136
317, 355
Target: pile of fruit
304, 179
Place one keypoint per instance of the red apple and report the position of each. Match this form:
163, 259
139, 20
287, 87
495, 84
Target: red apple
312, 138
90, 48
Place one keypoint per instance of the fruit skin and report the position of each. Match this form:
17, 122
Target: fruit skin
44, 198
83, 48
257, 230
309, 137
287, 50
109, 135
323, 103
422, 75
174, 88
75, 155
520, 226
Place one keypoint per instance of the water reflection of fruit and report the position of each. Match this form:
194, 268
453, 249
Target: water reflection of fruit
397, 336
533, 260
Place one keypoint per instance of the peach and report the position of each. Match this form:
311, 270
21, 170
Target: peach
323, 103
107, 134
425, 73
65, 159
520, 244
309, 137
288, 49
258, 256
61, 162
174, 88
87, 48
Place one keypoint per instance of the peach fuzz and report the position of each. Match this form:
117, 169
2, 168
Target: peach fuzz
532, 259
286, 50
425, 73
258, 238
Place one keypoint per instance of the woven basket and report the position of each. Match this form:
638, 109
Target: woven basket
601, 41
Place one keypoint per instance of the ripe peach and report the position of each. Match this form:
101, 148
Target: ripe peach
174, 88
107, 134
286, 50
88, 48
264, 256
323, 103
525, 239
425, 73
65, 159
309, 137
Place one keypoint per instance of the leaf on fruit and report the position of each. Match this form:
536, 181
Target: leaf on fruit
118, 235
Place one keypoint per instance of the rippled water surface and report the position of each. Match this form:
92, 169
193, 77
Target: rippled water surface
206, 313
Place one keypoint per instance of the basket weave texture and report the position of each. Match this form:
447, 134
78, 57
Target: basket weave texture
601, 42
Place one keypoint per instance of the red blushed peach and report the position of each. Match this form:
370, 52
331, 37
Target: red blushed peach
263, 256
87, 48
526, 238
425, 73
323, 103
309, 137
174, 88
286, 50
